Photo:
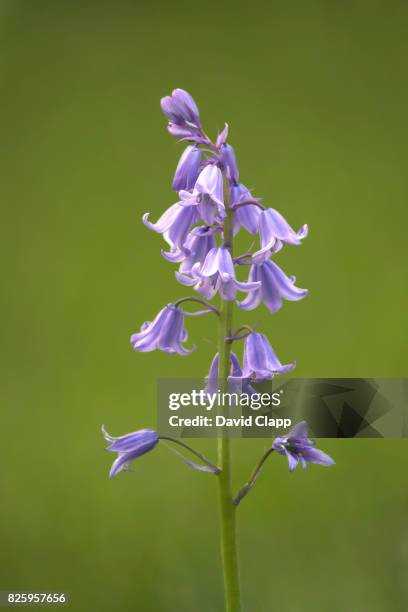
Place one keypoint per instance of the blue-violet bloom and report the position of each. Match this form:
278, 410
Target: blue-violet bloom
299, 449
217, 273
187, 170
174, 225
274, 230
182, 113
129, 447
275, 286
229, 161
198, 243
244, 216
207, 195
260, 361
166, 333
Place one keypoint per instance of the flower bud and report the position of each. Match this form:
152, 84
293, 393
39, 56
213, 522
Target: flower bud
229, 161
187, 169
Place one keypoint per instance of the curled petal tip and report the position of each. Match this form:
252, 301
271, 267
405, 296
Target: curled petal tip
146, 221
107, 436
304, 231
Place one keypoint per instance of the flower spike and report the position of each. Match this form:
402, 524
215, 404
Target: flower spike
200, 230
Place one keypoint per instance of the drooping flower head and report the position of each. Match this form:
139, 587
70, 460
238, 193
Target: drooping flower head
207, 194
174, 225
260, 360
299, 449
229, 162
198, 243
274, 231
129, 447
187, 170
166, 333
217, 273
275, 286
182, 113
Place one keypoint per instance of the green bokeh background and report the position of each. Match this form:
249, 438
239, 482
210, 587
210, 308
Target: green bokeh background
316, 96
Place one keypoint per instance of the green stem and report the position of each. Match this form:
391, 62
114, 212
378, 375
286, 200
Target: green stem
198, 301
227, 508
200, 456
253, 478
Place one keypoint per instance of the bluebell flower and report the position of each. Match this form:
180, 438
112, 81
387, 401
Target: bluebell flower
182, 113
187, 170
275, 286
207, 194
174, 225
198, 243
244, 216
217, 273
229, 162
274, 231
180, 108
166, 333
129, 447
299, 449
260, 360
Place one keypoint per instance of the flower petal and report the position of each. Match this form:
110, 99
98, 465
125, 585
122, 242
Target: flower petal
165, 221
299, 431
292, 460
210, 182
187, 169
211, 264
314, 455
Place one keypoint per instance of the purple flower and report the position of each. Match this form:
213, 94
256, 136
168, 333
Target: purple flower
244, 216
207, 195
229, 161
217, 273
187, 169
274, 230
166, 333
247, 217
180, 108
198, 243
182, 113
235, 376
275, 286
298, 449
260, 361
174, 225
129, 447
